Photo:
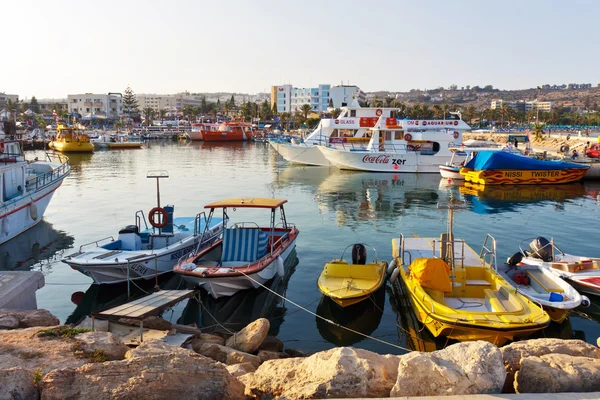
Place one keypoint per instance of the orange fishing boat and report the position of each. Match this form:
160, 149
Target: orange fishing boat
229, 132
197, 131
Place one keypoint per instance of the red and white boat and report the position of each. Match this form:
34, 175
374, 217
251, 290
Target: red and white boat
247, 256
233, 131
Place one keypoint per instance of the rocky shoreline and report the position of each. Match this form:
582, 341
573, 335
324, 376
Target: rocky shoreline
42, 359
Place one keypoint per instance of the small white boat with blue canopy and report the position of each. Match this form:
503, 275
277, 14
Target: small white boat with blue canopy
143, 252
247, 257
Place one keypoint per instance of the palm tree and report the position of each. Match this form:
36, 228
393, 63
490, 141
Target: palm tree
437, 110
445, 109
162, 113
148, 114
504, 113
305, 109
388, 101
12, 109
469, 113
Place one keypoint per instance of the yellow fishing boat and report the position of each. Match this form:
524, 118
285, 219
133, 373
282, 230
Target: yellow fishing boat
348, 284
456, 292
71, 140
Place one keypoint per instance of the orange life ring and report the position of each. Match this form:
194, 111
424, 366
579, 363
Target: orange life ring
378, 112
154, 213
456, 135
408, 137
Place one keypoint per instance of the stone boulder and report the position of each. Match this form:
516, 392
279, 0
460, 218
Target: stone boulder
251, 337
30, 318
9, 322
24, 348
18, 383
153, 347
461, 369
189, 376
515, 352
271, 343
342, 372
204, 338
558, 373
105, 345
240, 369
227, 355
265, 355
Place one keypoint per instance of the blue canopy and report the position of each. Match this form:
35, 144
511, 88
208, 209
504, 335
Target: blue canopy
503, 160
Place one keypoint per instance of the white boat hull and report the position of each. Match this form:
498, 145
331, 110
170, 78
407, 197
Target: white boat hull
451, 173
229, 285
384, 162
301, 154
17, 215
117, 270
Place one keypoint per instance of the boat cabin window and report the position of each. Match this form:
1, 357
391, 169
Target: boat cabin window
399, 135
388, 135
353, 113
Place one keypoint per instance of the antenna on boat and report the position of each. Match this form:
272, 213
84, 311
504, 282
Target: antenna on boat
158, 175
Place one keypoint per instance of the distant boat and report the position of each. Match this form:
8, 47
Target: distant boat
71, 140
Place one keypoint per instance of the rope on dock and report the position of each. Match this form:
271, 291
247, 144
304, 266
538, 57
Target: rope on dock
323, 318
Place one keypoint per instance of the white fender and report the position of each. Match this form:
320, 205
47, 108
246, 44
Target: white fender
280, 267
33, 210
5, 225
394, 276
391, 267
585, 301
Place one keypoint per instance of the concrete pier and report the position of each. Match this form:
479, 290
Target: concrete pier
17, 289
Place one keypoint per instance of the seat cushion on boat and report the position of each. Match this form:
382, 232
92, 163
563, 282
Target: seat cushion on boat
538, 278
432, 273
243, 244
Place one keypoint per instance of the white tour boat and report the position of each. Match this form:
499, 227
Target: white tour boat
583, 273
401, 146
143, 252
26, 187
350, 127
248, 255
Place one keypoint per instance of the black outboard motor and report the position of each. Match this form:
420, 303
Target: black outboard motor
359, 254
541, 248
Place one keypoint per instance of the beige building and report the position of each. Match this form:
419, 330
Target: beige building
169, 102
521, 105
14, 98
98, 105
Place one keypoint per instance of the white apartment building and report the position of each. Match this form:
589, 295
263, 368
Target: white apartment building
157, 101
344, 94
48, 105
4, 98
290, 99
521, 105
95, 105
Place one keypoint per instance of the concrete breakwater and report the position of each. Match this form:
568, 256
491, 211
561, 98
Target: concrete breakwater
41, 359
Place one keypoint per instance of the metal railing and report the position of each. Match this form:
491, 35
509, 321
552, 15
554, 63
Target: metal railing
96, 242
198, 223
486, 254
41, 181
139, 217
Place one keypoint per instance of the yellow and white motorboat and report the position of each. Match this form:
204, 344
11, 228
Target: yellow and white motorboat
71, 140
457, 293
348, 284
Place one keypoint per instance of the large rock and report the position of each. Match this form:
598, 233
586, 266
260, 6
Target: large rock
271, 343
153, 347
558, 373
9, 322
189, 376
515, 352
105, 346
265, 355
30, 318
240, 369
204, 338
227, 355
460, 369
342, 372
24, 348
251, 337
17, 383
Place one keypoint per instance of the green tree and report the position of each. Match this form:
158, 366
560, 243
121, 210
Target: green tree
265, 110
35, 107
504, 113
130, 103
336, 113
148, 114
232, 102
274, 109
203, 106
305, 110
470, 113
162, 113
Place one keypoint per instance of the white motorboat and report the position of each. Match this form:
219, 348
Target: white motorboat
142, 251
117, 141
451, 169
350, 127
541, 286
583, 273
401, 146
247, 257
26, 187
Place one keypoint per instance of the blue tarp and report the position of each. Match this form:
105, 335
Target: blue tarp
503, 160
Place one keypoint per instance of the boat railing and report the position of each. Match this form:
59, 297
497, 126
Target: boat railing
488, 251
447, 244
551, 243
139, 217
96, 242
198, 222
402, 251
41, 181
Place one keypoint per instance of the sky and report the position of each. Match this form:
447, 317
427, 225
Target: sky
64, 47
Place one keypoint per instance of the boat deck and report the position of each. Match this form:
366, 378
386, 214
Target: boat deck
422, 248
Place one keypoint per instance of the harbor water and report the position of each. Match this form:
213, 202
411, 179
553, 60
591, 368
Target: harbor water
331, 208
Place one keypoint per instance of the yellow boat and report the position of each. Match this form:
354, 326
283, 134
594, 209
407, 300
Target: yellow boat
348, 284
456, 292
71, 140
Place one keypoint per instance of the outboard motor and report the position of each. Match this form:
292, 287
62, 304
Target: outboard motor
359, 254
540, 248
130, 238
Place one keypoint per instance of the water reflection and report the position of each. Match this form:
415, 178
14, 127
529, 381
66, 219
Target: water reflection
235, 312
37, 247
363, 317
298, 176
358, 197
505, 198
